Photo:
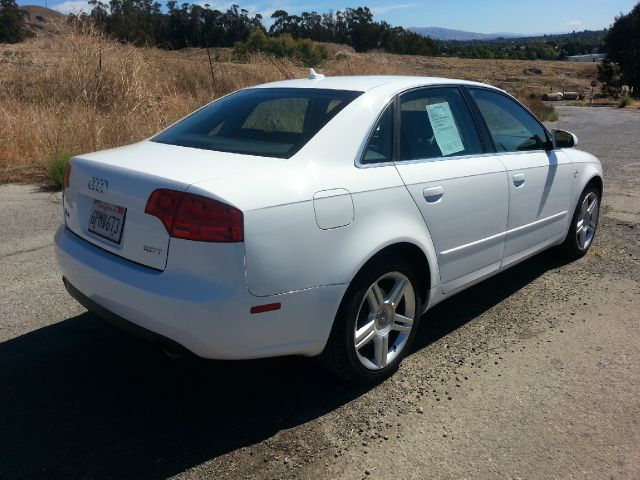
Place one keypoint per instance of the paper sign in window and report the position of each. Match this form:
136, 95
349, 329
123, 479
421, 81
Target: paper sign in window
444, 128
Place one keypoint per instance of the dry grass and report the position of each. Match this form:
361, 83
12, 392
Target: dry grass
79, 91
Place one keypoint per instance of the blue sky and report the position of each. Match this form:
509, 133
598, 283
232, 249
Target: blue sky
484, 16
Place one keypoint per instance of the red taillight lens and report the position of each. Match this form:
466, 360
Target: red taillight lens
163, 203
67, 175
201, 218
194, 217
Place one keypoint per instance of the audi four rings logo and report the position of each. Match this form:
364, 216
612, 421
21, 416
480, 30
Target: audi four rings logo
99, 185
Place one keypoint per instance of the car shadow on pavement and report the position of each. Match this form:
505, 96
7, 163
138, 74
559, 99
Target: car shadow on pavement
81, 399
463, 307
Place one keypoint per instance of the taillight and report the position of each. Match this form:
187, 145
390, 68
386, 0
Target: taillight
163, 203
194, 217
67, 175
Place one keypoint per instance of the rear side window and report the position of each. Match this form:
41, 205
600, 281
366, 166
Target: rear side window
380, 146
512, 128
436, 123
268, 122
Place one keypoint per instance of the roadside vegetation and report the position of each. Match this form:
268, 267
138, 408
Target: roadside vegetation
310, 54
620, 71
81, 91
56, 165
625, 102
544, 111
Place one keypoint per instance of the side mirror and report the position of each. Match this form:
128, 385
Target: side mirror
562, 139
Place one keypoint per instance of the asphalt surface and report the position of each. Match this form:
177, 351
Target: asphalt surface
533, 374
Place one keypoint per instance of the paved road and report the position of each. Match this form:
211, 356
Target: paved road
533, 374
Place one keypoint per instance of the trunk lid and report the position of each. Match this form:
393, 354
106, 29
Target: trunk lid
108, 192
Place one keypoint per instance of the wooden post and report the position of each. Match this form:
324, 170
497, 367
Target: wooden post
213, 77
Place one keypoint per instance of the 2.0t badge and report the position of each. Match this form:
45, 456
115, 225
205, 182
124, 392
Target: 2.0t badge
99, 185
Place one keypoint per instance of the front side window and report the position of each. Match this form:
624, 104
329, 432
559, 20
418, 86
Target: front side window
436, 123
268, 122
512, 128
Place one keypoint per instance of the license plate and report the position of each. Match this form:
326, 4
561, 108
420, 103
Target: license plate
107, 220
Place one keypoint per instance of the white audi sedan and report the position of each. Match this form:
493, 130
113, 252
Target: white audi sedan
320, 216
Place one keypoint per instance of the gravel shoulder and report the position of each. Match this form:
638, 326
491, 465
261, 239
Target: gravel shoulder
534, 373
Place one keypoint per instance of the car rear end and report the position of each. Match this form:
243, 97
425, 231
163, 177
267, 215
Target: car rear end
124, 247
143, 243
174, 286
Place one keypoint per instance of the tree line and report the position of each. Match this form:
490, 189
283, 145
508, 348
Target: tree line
545, 47
144, 22
622, 63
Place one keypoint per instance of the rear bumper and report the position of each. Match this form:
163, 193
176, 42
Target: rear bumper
192, 304
117, 321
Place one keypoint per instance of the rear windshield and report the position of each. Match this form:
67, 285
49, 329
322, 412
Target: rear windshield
268, 122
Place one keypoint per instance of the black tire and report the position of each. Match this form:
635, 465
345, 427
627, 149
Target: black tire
340, 355
572, 248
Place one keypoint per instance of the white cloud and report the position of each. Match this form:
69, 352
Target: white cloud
73, 6
389, 8
575, 24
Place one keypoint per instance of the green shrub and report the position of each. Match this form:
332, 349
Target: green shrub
56, 166
625, 102
282, 46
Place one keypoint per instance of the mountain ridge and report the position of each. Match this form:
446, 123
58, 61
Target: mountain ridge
439, 33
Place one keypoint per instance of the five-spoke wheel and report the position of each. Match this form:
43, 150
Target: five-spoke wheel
583, 224
588, 220
384, 321
376, 322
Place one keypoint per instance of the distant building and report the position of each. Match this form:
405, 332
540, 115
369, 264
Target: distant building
591, 57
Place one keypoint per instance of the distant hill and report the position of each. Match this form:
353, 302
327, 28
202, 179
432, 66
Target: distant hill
41, 20
438, 33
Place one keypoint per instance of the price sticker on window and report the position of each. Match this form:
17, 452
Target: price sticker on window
444, 128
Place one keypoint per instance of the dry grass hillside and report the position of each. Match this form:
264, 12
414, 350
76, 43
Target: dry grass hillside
77, 91
42, 21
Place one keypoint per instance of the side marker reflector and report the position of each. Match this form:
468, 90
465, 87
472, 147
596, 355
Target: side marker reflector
266, 308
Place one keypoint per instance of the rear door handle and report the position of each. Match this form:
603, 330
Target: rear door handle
433, 194
518, 179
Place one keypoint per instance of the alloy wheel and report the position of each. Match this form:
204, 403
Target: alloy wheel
587, 221
384, 322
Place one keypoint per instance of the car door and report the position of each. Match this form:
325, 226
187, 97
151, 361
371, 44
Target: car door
461, 191
540, 179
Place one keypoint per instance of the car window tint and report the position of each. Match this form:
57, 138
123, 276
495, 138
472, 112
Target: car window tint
380, 146
436, 123
279, 115
268, 122
333, 104
512, 128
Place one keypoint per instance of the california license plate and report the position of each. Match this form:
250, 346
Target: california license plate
107, 220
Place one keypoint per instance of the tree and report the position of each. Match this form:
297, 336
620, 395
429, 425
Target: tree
623, 47
144, 22
12, 29
609, 76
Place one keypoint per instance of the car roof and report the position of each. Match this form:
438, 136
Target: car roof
367, 82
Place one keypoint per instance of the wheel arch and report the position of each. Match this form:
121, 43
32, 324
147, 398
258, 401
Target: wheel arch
409, 251
595, 181
415, 255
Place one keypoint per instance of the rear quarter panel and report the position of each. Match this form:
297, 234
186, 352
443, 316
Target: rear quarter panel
287, 251
285, 248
